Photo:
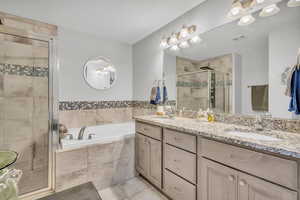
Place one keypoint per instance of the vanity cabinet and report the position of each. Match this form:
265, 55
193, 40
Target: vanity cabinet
190, 167
180, 165
149, 156
217, 181
221, 182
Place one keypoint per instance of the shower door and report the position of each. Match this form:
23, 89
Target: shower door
25, 109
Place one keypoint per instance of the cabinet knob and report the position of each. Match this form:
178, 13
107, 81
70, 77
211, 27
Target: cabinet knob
242, 183
231, 178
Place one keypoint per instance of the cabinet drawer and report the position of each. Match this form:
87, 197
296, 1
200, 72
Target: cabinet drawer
181, 162
181, 140
177, 188
149, 130
274, 169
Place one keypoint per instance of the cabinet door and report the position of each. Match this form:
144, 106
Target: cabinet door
217, 181
155, 161
252, 188
142, 155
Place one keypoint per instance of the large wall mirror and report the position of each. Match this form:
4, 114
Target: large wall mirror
99, 73
238, 69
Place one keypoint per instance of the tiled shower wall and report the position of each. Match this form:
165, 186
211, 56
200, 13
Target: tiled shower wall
24, 107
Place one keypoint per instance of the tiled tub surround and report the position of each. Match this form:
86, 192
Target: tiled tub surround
75, 114
104, 164
288, 145
106, 159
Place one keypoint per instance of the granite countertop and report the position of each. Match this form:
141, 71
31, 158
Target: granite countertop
287, 145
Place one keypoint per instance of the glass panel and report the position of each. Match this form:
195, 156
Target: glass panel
24, 108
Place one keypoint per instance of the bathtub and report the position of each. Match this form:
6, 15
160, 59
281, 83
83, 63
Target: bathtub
103, 134
106, 160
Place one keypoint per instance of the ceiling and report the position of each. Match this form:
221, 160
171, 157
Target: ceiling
126, 21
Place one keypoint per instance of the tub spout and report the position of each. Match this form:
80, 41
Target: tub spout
81, 133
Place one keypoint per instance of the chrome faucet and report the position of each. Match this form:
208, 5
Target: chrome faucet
81, 133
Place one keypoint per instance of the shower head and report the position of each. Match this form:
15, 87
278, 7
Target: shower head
206, 67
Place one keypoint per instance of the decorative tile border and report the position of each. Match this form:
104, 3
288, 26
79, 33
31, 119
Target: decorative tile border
23, 70
202, 84
91, 105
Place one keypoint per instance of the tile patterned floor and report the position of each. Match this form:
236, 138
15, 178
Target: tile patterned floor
134, 189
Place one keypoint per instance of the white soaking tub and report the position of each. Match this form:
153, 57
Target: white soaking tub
101, 134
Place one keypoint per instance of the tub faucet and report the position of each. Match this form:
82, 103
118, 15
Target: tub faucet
81, 133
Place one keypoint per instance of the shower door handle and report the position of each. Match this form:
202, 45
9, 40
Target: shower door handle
33, 155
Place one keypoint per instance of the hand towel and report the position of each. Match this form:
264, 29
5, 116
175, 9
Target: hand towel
165, 94
153, 96
8, 182
158, 97
295, 93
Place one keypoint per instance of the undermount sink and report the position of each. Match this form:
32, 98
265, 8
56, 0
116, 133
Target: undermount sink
252, 135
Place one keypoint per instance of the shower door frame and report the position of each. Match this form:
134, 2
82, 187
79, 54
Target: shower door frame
53, 104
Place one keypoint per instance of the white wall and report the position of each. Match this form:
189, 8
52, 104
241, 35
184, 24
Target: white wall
75, 49
169, 65
147, 55
254, 70
283, 48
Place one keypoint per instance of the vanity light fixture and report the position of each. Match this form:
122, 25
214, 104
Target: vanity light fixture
269, 10
182, 39
242, 9
293, 3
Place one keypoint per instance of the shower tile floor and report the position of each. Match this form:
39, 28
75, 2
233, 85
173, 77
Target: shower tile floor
133, 189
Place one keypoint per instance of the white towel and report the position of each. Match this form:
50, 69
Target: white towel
288, 91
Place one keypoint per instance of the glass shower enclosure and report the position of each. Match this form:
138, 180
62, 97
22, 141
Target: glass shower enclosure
204, 89
27, 107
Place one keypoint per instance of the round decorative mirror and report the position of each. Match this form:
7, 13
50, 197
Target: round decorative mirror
100, 73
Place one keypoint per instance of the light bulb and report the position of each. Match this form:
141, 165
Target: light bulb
293, 3
269, 10
184, 44
246, 20
173, 39
164, 43
236, 10
195, 39
260, 1
174, 48
184, 32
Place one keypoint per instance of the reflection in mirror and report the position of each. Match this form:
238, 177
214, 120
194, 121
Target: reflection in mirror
238, 69
99, 73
